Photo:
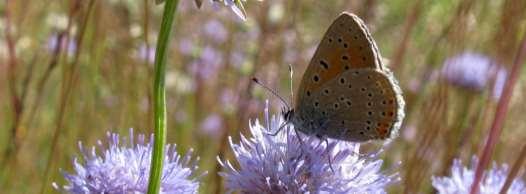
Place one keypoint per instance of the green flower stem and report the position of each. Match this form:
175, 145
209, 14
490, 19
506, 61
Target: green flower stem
159, 97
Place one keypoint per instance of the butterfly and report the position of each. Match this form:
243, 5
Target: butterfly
346, 92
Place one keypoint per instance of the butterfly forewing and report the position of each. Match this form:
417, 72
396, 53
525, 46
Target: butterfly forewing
346, 45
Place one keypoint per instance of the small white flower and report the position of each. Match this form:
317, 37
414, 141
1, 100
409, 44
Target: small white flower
461, 180
281, 164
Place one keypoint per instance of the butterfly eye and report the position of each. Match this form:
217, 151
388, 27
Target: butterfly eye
342, 80
347, 67
326, 91
345, 45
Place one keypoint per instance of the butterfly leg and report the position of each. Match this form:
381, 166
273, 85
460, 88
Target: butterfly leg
279, 129
299, 137
329, 154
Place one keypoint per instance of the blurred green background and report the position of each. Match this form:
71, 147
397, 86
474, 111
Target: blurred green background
84, 67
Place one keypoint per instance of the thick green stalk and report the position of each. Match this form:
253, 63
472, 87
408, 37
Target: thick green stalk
159, 97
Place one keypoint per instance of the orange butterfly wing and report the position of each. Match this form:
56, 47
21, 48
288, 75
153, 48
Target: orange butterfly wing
346, 45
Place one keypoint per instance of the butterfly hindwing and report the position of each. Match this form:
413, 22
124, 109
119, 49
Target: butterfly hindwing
359, 105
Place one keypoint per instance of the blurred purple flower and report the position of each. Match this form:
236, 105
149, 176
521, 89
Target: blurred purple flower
281, 164
186, 46
146, 53
211, 56
237, 58
120, 168
500, 81
474, 71
228, 100
70, 49
207, 66
212, 125
461, 180
290, 53
215, 30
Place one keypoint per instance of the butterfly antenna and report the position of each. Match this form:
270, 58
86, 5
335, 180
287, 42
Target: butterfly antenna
256, 80
291, 90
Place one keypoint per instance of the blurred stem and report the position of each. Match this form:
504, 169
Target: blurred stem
454, 140
514, 170
62, 36
147, 66
16, 103
159, 97
410, 23
500, 115
69, 78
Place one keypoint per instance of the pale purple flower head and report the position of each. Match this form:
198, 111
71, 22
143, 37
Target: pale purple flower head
208, 64
124, 167
461, 179
186, 46
69, 49
500, 81
474, 71
215, 30
281, 164
238, 58
212, 125
146, 53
